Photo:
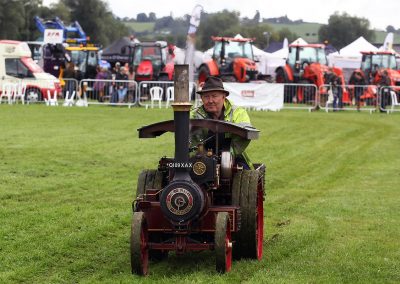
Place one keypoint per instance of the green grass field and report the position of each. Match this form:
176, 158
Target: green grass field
68, 175
140, 27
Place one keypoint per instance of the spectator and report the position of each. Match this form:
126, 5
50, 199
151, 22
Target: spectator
357, 79
384, 90
121, 88
131, 84
100, 84
70, 76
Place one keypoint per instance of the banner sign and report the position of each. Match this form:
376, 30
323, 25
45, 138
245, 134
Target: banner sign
259, 96
53, 36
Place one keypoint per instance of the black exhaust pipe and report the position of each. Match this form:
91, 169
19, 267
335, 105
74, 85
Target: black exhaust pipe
181, 107
182, 200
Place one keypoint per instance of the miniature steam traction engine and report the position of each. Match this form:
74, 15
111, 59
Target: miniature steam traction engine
197, 201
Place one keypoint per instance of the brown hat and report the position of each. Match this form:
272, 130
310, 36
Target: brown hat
213, 84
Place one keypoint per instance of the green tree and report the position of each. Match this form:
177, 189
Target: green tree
96, 20
261, 33
343, 29
12, 19
284, 33
225, 23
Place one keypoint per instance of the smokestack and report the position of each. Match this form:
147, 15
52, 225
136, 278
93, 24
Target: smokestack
181, 107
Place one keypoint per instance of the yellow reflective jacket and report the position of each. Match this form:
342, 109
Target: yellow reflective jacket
232, 114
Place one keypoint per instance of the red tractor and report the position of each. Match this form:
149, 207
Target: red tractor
307, 64
377, 68
150, 61
232, 60
198, 200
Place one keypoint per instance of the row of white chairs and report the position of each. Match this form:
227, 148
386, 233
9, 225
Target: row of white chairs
12, 92
156, 95
69, 100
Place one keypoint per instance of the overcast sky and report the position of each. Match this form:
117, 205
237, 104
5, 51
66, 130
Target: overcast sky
380, 13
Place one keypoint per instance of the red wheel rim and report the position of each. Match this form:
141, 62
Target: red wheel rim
144, 249
228, 248
260, 223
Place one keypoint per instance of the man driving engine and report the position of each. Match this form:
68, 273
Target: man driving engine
217, 106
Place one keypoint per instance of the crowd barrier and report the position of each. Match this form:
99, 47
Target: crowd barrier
348, 97
389, 99
152, 94
161, 93
300, 96
109, 92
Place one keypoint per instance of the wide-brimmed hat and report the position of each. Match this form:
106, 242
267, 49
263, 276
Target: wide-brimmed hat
212, 84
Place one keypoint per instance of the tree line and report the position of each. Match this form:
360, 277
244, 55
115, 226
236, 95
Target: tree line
103, 27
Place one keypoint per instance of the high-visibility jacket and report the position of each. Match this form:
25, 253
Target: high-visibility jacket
232, 114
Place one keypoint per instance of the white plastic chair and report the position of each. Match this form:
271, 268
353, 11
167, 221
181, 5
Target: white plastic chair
156, 94
7, 93
82, 102
69, 101
170, 95
395, 102
51, 101
20, 92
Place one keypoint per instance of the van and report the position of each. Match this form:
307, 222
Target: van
17, 66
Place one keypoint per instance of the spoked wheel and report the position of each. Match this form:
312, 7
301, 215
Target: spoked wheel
139, 244
223, 243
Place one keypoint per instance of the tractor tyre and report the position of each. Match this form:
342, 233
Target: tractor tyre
248, 195
139, 244
33, 95
305, 94
223, 243
204, 72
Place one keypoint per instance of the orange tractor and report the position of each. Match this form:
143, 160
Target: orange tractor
232, 60
378, 68
307, 64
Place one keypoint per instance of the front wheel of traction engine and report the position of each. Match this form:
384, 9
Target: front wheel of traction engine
151, 179
223, 243
248, 195
139, 244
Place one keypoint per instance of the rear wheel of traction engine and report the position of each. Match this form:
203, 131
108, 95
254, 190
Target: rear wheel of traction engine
139, 244
247, 194
203, 73
223, 243
151, 179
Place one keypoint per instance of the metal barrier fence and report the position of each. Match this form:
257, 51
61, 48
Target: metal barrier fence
389, 99
300, 96
70, 85
109, 92
161, 93
348, 97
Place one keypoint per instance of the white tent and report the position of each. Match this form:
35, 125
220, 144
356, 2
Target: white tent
350, 55
299, 41
354, 48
